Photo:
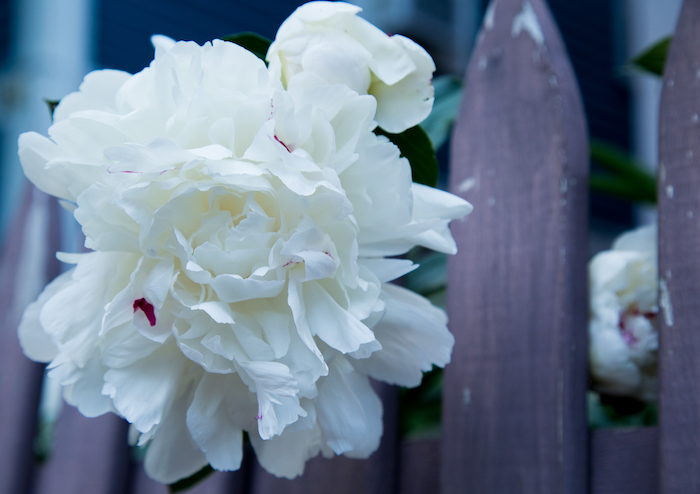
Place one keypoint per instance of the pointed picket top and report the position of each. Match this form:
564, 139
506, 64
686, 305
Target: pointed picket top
514, 415
679, 258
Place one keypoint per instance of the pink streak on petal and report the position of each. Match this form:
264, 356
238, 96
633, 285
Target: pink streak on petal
285, 146
147, 310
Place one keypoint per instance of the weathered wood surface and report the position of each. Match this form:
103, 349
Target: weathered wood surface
514, 417
419, 466
27, 264
89, 455
679, 258
625, 461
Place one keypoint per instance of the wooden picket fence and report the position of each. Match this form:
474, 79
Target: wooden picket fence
514, 412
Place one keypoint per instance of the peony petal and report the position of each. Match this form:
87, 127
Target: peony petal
349, 411
414, 337
172, 453
218, 413
35, 342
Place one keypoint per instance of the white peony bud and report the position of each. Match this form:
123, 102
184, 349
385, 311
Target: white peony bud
327, 43
623, 326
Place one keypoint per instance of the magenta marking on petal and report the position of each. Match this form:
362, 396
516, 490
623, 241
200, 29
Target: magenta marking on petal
285, 146
259, 417
147, 310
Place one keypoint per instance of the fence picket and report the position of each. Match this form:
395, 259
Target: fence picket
514, 398
27, 264
679, 258
625, 460
90, 455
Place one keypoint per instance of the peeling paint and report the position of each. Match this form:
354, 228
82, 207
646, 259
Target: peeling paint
527, 20
467, 184
466, 396
665, 303
491, 201
669, 191
483, 62
553, 82
563, 185
490, 15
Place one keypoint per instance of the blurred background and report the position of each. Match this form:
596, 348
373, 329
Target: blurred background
46, 47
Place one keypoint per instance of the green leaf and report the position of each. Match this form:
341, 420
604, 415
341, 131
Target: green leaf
606, 412
415, 146
627, 177
52, 104
184, 484
448, 95
620, 188
252, 42
653, 59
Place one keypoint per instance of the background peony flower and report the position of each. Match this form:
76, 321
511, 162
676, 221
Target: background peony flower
623, 328
327, 43
237, 279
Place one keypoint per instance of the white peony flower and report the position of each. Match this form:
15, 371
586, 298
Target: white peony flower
237, 280
327, 43
623, 328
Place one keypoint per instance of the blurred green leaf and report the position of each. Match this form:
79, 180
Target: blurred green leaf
52, 104
421, 407
415, 146
252, 42
184, 484
653, 59
606, 412
448, 95
431, 275
626, 178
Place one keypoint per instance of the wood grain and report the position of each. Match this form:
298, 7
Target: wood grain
514, 398
89, 455
419, 468
27, 265
625, 460
679, 258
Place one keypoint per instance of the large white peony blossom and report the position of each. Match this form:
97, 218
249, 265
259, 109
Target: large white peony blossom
624, 338
237, 279
327, 43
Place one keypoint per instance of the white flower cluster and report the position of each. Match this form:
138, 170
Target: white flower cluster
241, 224
623, 328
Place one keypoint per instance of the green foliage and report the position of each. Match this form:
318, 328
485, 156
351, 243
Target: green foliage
421, 407
653, 59
184, 484
625, 177
252, 42
52, 104
606, 412
448, 95
415, 146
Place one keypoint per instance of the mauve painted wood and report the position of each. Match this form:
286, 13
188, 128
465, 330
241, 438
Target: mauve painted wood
20, 378
89, 455
419, 466
679, 258
341, 475
625, 460
215, 483
514, 416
